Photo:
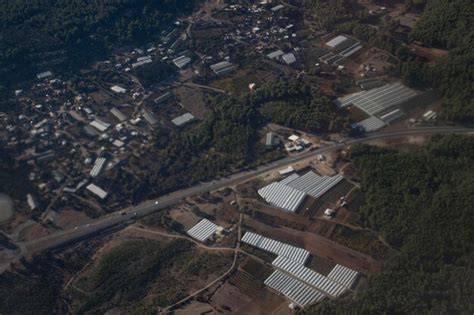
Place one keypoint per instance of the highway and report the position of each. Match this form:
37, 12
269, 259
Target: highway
129, 215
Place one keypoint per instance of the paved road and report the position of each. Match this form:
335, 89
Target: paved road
120, 218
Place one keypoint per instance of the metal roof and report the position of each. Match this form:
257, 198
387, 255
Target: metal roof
150, 118
378, 100
336, 41
98, 166
96, 190
202, 230
343, 275
99, 125
44, 75
220, 65
289, 58
118, 114
142, 62
275, 54
297, 291
297, 254
392, 115
309, 276
183, 119
181, 61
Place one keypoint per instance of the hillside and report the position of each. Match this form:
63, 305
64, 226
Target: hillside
421, 202
38, 35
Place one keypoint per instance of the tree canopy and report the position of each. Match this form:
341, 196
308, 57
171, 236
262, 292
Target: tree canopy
421, 202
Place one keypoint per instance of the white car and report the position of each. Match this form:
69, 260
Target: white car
157, 202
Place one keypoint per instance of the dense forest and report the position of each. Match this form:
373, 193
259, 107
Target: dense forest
38, 34
421, 203
228, 138
154, 73
446, 24
449, 24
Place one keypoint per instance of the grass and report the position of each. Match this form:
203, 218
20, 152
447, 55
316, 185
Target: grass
236, 84
140, 276
362, 241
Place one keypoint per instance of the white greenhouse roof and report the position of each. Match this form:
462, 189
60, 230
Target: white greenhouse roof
379, 99
336, 41
181, 61
202, 230
98, 166
183, 119
288, 193
282, 196
343, 275
96, 190
315, 185
289, 58
309, 276
297, 254
371, 124
295, 290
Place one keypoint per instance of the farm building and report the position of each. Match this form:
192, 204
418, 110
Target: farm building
222, 68
183, 120
378, 100
288, 193
98, 167
181, 61
340, 47
96, 190
296, 254
203, 230
99, 125
301, 285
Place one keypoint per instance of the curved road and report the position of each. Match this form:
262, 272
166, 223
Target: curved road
127, 216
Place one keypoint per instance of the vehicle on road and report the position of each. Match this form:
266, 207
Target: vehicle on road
157, 202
